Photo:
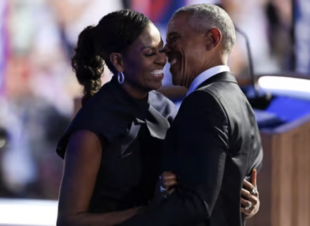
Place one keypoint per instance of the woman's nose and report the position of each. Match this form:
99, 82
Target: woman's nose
162, 59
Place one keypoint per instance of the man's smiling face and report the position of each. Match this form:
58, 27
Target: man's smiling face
185, 49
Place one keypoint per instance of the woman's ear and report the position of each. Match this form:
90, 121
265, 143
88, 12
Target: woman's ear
117, 61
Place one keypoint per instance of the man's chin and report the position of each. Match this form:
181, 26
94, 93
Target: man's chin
176, 82
175, 79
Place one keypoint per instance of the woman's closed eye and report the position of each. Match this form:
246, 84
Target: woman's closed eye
149, 54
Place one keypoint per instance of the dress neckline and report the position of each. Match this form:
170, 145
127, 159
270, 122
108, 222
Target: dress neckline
138, 107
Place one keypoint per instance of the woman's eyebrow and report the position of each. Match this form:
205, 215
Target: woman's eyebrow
146, 47
152, 47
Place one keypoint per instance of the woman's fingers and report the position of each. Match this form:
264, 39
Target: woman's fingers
247, 185
168, 180
248, 196
168, 176
249, 204
247, 207
244, 211
254, 178
250, 187
244, 203
169, 183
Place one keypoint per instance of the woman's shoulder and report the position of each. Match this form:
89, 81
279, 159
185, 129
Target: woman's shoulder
92, 111
96, 116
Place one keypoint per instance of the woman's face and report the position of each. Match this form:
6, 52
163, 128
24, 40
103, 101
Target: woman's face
144, 61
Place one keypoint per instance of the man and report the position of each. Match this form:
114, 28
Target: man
214, 142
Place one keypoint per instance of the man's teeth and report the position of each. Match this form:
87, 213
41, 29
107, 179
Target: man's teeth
157, 72
173, 62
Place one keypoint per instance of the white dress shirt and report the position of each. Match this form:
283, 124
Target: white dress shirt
206, 75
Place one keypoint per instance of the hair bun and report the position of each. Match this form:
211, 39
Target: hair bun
87, 63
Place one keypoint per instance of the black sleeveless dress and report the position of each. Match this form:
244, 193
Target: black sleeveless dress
133, 132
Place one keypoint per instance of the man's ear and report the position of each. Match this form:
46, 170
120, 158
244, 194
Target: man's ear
214, 38
117, 61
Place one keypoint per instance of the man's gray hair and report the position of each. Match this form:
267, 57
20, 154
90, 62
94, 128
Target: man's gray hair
206, 16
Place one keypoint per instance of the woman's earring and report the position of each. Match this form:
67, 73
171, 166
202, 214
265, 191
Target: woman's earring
120, 77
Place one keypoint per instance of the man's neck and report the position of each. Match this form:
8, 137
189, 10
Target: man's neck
206, 75
203, 69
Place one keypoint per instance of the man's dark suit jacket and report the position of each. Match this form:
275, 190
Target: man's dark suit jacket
213, 144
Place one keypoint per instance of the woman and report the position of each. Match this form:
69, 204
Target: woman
112, 147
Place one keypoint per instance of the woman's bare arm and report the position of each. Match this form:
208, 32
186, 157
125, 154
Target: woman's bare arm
82, 162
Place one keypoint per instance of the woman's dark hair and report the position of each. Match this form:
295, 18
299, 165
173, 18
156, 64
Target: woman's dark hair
115, 32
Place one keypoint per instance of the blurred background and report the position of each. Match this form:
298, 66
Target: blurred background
39, 92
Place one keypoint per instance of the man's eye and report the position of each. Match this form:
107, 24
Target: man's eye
172, 40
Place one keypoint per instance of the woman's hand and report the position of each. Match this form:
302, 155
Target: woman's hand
249, 200
168, 182
250, 197
164, 187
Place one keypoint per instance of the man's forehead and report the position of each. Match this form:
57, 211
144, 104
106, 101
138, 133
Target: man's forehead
178, 23
178, 20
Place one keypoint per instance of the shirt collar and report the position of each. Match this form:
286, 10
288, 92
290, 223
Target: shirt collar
206, 75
